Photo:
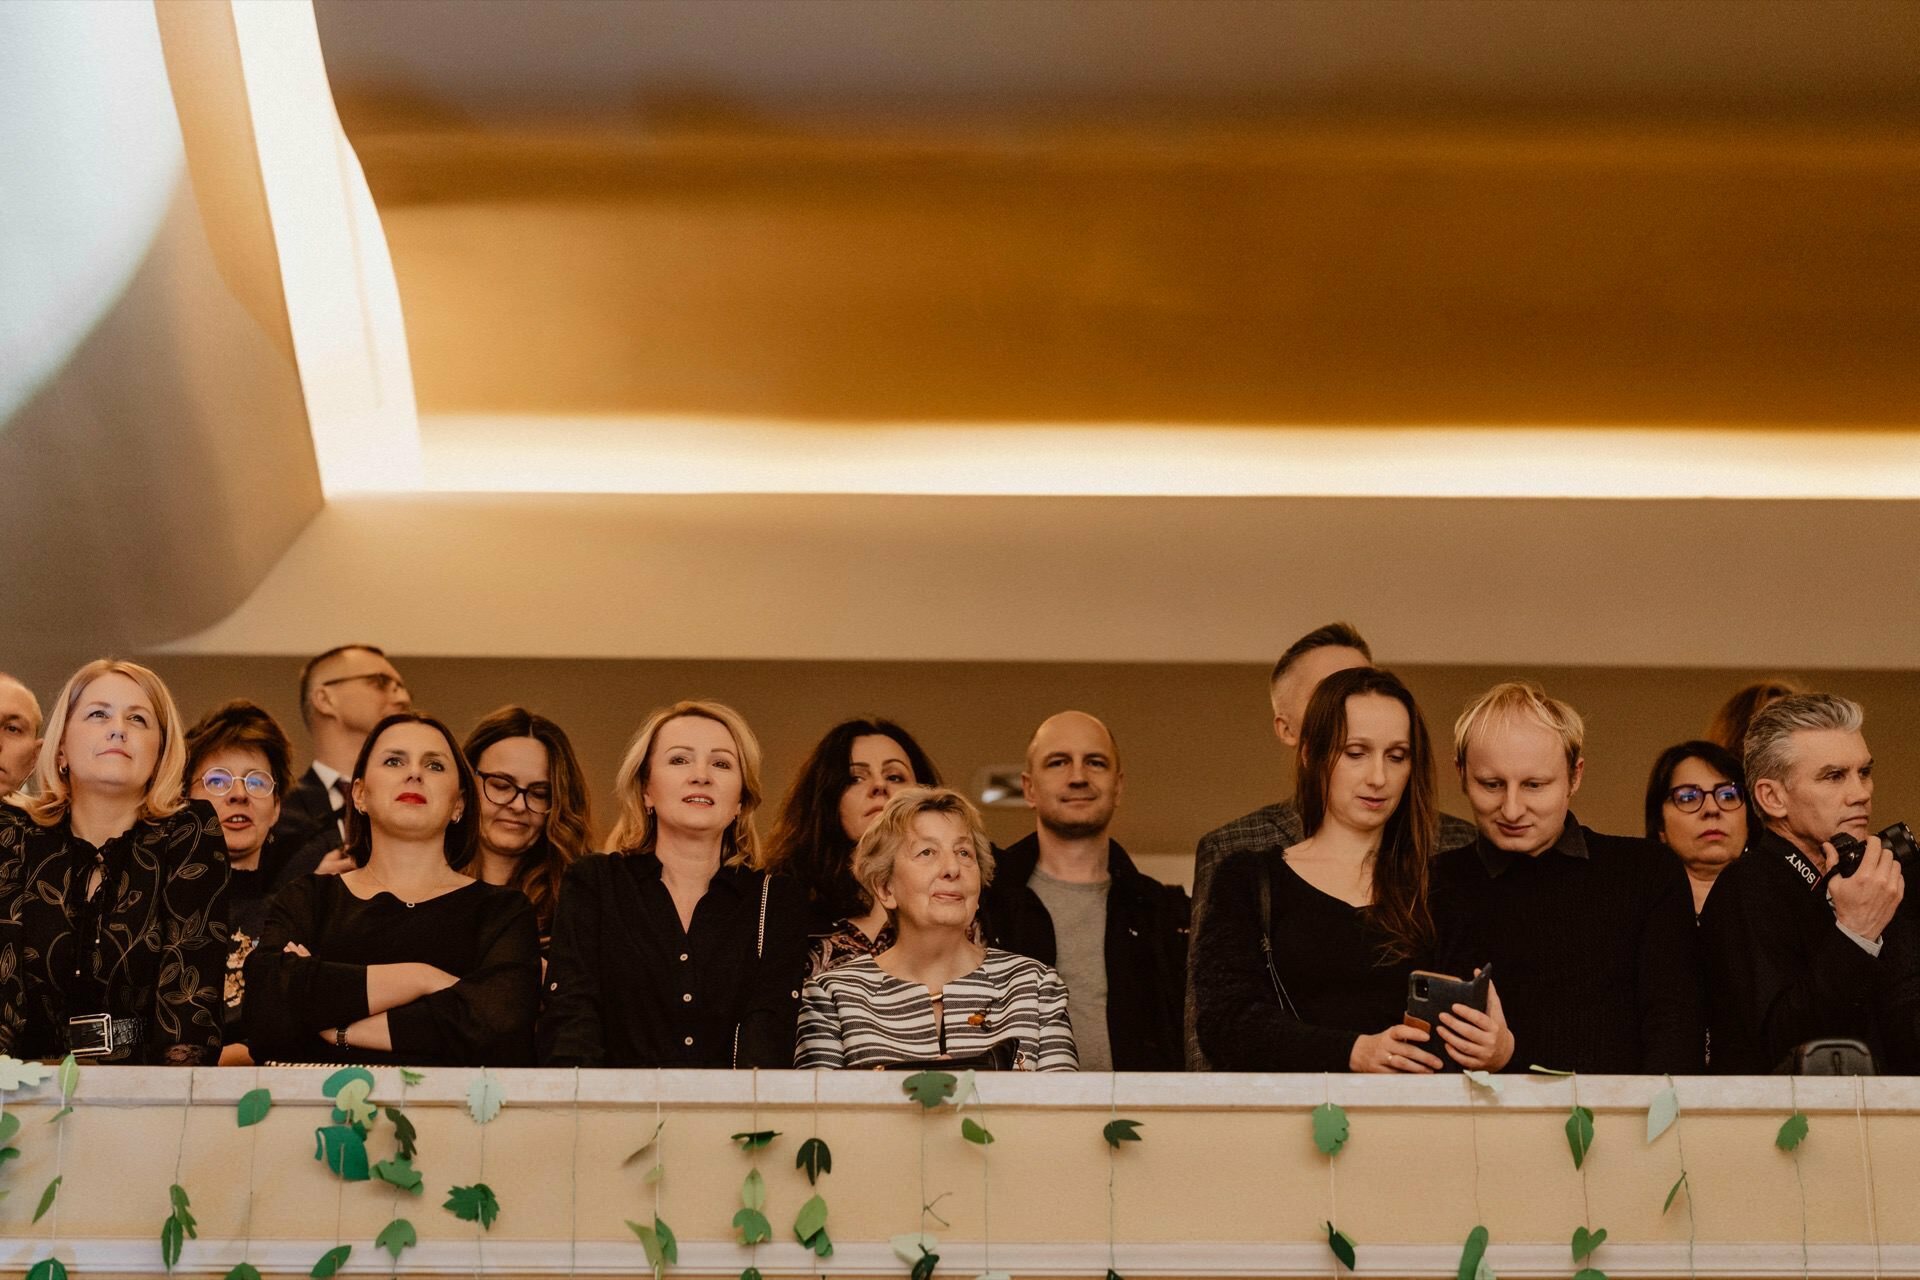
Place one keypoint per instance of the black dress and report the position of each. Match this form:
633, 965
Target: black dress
1328, 953
149, 945
482, 934
628, 987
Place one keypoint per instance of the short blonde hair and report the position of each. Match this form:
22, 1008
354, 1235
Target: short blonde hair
1520, 700
165, 794
881, 843
636, 830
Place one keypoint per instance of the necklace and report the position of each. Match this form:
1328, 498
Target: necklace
381, 886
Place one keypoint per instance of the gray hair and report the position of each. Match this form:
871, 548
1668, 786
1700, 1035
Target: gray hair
1768, 749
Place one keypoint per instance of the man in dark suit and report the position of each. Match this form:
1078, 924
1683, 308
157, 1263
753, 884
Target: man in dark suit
344, 692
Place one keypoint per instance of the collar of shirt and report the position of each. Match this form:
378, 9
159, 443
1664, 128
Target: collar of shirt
330, 779
646, 866
1571, 844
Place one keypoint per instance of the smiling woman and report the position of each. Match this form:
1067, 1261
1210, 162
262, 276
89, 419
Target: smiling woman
112, 932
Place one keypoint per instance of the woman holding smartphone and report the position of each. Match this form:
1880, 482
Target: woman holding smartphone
1347, 917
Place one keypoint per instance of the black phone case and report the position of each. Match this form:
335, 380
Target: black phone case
1442, 992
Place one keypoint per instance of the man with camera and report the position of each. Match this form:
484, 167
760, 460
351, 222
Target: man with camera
1804, 933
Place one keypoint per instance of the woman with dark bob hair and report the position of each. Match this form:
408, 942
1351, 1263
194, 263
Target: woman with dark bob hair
1697, 807
535, 817
113, 934
1349, 918
405, 958
844, 784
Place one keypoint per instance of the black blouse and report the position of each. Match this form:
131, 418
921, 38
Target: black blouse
151, 943
482, 934
628, 987
1328, 954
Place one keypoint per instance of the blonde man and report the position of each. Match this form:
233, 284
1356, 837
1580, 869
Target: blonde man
1590, 936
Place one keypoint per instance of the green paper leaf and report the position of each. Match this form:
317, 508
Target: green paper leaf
172, 1239
1673, 1191
1793, 1132
1119, 1131
474, 1204
61, 1114
404, 1133
974, 1133
646, 1146
811, 1218
1580, 1134
410, 1077
397, 1235
1484, 1271
344, 1149
338, 1080
54, 1269
756, 1140
1329, 1128
965, 1089
1537, 1069
47, 1198
751, 1273
659, 1243
1585, 1242
1472, 1254
928, 1088
815, 1158
753, 1192
182, 1210
9, 1125
1341, 1244
911, 1246
244, 1271
331, 1261
1662, 1112
1488, 1081
1589, 1273
752, 1226
69, 1076
1114, 1275
6, 1154
399, 1172
654, 1174
351, 1104
485, 1097
821, 1244
15, 1074
254, 1105
923, 1266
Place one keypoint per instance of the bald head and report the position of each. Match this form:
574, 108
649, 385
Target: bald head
1072, 780
19, 733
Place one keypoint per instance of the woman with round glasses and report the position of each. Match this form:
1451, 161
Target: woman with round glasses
534, 815
240, 762
113, 886
1697, 806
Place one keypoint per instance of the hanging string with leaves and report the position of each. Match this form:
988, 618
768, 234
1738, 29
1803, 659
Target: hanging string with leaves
976, 1132
477, 1203
253, 1107
179, 1225
1473, 1254
751, 1218
662, 1247
573, 1186
401, 1179
1664, 1112
1330, 1135
1116, 1132
50, 1267
814, 1159
1586, 1239
1791, 1135
917, 1249
1866, 1169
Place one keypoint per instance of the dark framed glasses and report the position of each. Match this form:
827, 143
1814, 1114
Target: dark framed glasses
1688, 799
219, 782
503, 790
378, 679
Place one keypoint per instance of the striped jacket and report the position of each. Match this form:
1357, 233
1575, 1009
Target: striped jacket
860, 1016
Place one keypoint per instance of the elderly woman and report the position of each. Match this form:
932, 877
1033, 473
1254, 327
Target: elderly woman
113, 931
935, 995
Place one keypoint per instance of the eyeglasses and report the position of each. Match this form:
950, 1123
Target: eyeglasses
503, 790
378, 679
219, 782
1689, 799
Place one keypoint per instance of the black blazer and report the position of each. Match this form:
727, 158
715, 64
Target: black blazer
308, 829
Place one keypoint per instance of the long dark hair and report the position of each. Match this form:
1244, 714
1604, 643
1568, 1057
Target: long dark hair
462, 839
1413, 829
808, 842
1660, 781
567, 832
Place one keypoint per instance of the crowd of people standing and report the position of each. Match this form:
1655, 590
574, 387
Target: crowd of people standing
173, 893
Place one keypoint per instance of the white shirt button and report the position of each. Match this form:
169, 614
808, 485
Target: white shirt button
687, 998
688, 1042
683, 955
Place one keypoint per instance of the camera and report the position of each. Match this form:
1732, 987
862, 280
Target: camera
1849, 850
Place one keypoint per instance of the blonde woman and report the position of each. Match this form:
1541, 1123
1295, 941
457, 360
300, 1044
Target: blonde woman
678, 949
113, 938
935, 995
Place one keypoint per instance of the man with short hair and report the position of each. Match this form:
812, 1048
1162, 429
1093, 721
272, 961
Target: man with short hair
1794, 952
19, 734
1590, 937
1337, 646
1069, 896
344, 692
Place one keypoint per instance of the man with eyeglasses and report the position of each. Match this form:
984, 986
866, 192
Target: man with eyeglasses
1797, 950
19, 734
344, 692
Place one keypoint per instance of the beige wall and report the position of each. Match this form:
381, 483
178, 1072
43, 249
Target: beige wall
1196, 739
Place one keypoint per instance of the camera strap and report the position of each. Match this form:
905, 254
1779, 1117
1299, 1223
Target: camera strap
1816, 879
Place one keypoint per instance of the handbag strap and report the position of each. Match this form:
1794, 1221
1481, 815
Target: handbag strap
1265, 880
759, 948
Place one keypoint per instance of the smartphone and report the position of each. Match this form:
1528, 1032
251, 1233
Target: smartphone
1431, 994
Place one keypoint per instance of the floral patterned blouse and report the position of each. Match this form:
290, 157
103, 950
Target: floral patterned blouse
843, 943
149, 943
